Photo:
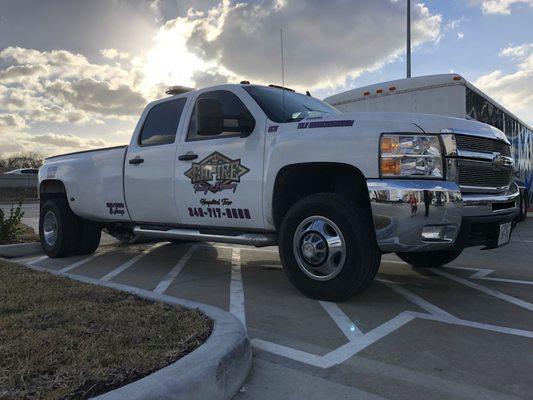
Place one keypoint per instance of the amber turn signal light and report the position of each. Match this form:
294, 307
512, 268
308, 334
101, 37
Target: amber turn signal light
389, 144
391, 166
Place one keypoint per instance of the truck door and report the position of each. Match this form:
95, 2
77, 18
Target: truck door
220, 170
150, 162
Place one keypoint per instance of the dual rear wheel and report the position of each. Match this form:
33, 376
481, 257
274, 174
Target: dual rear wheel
63, 233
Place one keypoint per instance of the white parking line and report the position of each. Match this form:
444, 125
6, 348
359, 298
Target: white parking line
478, 325
353, 347
129, 263
35, 260
173, 273
482, 273
350, 349
340, 354
288, 352
345, 324
479, 273
85, 260
236, 299
484, 289
414, 298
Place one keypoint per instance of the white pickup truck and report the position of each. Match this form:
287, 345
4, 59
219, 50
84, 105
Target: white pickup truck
261, 166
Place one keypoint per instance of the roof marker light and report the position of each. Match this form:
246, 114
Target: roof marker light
366, 94
392, 88
379, 91
456, 78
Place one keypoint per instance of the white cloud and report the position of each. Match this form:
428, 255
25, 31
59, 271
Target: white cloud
499, 6
66, 141
323, 45
460, 35
11, 122
46, 143
113, 54
513, 90
517, 52
64, 87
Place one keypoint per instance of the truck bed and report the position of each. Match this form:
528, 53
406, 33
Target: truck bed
94, 181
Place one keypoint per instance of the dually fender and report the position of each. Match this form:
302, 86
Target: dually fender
93, 183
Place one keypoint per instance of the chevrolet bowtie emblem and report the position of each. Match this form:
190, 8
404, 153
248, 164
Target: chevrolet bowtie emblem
500, 161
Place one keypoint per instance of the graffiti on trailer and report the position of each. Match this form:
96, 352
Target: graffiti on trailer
216, 173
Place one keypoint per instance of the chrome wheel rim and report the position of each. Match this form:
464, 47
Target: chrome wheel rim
50, 228
319, 248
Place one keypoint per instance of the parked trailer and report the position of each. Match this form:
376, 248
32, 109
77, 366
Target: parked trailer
453, 96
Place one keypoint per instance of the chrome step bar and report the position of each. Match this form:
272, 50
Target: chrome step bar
251, 239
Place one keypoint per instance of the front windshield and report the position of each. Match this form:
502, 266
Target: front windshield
287, 106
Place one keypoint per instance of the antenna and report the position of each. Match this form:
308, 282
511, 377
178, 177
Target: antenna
282, 73
408, 38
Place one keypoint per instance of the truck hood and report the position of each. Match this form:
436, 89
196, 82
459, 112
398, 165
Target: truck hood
430, 123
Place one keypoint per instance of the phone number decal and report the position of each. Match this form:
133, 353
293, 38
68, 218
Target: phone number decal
216, 212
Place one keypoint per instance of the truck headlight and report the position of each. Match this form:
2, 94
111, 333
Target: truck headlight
410, 155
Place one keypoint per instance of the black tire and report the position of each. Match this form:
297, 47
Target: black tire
523, 207
66, 241
362, 256
430, 259
89, 236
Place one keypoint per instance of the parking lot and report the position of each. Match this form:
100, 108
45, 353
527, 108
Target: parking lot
463, 331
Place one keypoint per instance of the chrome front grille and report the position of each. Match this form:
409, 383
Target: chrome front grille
481, 164
473, 175
482, 145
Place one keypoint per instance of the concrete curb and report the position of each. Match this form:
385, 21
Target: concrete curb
20, 249
215, 370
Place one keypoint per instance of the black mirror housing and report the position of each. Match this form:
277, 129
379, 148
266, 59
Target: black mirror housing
211, 121
209, 117
246, 124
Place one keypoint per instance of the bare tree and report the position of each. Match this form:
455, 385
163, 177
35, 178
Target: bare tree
28, 159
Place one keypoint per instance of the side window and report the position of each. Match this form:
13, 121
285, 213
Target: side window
232, 107
161, 123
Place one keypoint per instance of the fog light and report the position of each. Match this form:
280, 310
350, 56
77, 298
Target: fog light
434, 232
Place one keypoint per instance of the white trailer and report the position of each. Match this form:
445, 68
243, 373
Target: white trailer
450, 95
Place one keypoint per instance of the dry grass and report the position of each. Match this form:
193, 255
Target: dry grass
25, 235
61, 339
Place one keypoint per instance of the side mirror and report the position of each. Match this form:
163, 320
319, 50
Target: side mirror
209, 117
246, 124
211, 121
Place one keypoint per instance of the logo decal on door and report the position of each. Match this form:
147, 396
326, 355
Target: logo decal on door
216, 173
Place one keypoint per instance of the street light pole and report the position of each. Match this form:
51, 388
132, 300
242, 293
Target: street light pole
408, 38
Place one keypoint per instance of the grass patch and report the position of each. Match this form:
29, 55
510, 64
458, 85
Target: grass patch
62, 339
25, 234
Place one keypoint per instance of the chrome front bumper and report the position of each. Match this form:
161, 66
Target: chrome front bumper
404, 210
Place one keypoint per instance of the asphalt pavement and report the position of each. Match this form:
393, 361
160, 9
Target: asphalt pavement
464, 331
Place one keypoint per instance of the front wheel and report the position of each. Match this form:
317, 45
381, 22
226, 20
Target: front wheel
430, 259
524, 205
328, 247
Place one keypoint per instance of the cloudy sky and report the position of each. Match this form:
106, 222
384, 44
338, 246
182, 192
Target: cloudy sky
75, 74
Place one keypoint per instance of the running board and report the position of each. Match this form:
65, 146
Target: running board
251, 239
